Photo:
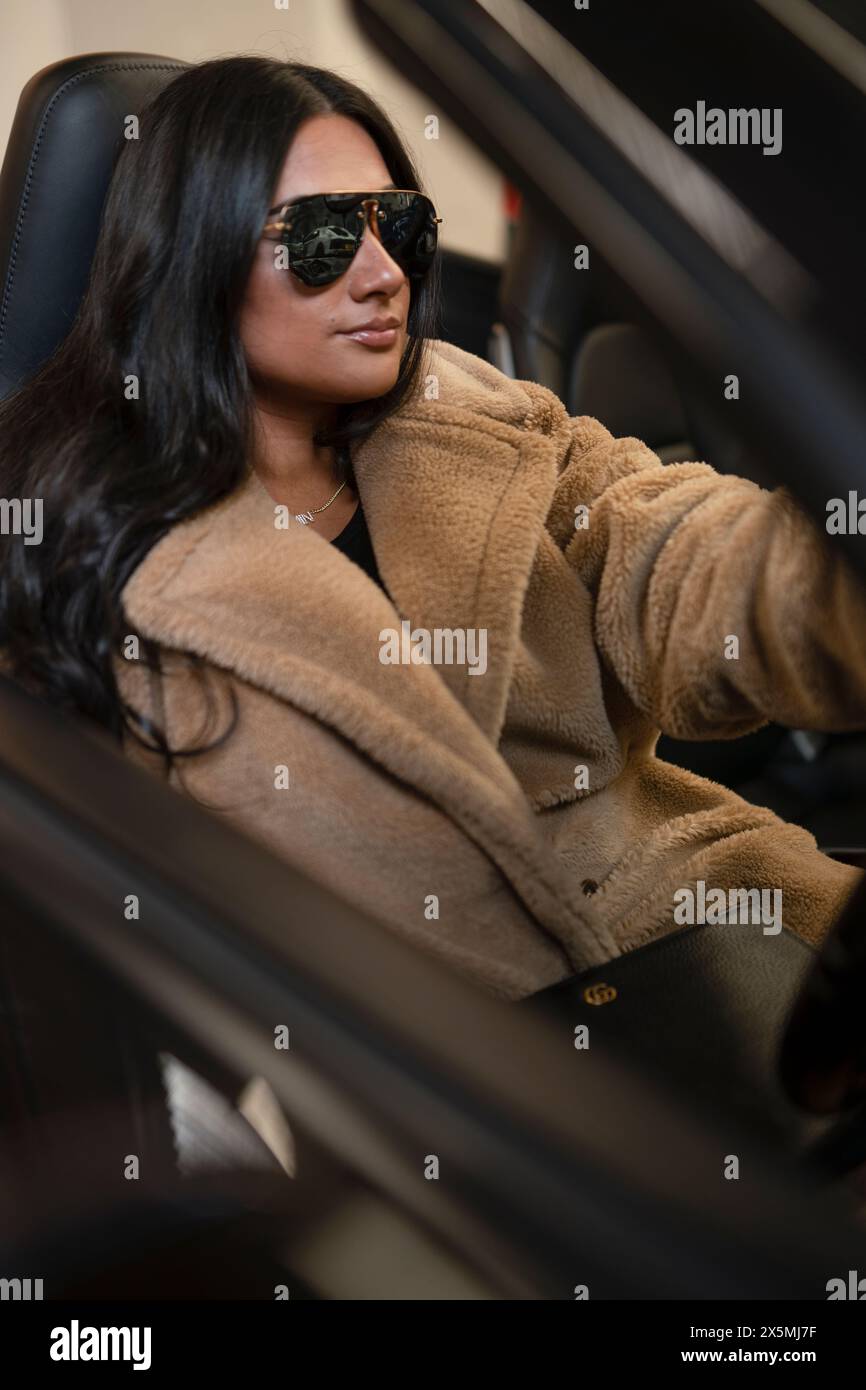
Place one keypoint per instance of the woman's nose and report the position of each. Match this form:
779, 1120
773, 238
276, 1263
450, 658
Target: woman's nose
372, 266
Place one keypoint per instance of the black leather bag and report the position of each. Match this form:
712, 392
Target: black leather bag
704, 1008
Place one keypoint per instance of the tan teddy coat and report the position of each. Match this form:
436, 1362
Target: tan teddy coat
450, 805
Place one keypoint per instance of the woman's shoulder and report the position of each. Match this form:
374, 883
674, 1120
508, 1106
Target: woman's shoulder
454, 380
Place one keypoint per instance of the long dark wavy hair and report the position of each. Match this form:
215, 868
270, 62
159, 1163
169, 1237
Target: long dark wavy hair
179, 229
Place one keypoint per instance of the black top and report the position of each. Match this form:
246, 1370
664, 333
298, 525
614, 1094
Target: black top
354, 541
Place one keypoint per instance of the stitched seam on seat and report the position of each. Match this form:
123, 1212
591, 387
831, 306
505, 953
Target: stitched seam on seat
34, 157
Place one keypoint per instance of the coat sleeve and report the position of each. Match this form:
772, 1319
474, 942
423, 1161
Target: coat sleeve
717, 603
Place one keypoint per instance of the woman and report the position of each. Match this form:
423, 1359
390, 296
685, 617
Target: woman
394, 614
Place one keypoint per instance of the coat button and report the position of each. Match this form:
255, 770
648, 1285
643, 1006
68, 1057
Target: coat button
589, 886
599, 993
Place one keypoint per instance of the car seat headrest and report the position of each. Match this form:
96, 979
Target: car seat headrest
66, 133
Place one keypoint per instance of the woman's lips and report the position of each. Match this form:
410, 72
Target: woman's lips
373, 337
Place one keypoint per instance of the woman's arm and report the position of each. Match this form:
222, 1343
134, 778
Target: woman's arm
718, 604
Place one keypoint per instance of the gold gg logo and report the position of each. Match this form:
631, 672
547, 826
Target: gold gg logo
599, 993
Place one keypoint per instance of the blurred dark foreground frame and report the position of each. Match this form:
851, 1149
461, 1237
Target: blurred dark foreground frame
552, 1173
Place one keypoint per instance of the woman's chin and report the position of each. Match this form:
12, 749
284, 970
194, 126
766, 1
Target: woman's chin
364, 385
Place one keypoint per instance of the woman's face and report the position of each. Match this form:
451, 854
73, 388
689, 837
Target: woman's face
295, 336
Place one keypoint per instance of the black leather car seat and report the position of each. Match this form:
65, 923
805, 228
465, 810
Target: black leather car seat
557, 326
67, 129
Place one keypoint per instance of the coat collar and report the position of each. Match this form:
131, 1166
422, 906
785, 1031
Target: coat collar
455, 487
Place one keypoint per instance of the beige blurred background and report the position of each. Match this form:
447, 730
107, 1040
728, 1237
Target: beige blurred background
467, 189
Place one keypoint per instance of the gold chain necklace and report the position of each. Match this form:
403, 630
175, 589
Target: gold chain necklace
306, 517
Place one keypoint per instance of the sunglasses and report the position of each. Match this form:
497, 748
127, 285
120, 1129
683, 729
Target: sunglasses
322, 233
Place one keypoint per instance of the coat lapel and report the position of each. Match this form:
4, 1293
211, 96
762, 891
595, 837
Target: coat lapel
455, 509
456, 513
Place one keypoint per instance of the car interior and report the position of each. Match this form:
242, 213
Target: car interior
266, 1165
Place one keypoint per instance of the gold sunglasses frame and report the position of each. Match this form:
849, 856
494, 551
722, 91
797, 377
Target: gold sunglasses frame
367, 205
